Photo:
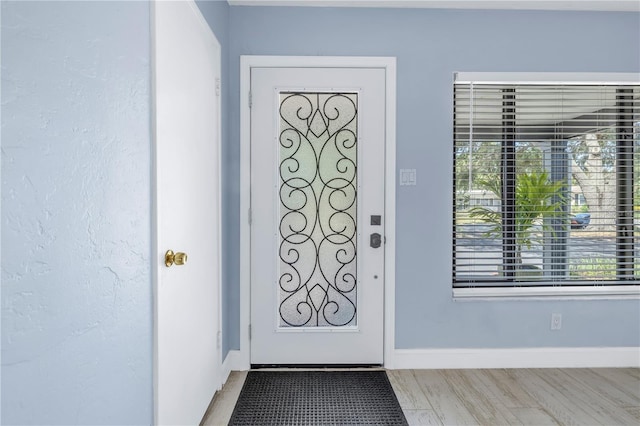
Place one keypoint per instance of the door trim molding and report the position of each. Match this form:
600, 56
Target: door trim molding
389, 65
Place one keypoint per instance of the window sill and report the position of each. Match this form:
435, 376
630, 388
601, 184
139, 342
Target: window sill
532, 293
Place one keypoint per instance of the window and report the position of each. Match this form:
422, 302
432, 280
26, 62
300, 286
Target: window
546, 181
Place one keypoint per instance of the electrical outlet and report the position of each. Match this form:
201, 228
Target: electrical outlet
556, 321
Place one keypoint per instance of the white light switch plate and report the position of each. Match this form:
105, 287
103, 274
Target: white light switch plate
407, 177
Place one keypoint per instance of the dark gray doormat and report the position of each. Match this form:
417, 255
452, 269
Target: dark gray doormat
317, 398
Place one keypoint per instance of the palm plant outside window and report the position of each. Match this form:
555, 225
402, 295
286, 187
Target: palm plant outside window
546, 182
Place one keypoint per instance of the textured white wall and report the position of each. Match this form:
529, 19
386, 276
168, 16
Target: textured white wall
76, 149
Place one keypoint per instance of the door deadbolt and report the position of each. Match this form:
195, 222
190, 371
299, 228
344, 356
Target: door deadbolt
171, 258
375, 240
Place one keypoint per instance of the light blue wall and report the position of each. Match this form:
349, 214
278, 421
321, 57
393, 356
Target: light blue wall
76, 150
430, 45
216, 13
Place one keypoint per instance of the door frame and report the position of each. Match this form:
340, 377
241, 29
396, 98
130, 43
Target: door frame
157, 257
389, 65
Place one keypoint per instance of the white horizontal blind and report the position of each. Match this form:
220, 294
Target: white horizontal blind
546, 184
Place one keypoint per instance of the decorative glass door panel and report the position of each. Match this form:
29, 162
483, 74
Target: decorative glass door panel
318, 142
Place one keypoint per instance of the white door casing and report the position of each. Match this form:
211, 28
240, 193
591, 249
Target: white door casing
186, 70
274, 341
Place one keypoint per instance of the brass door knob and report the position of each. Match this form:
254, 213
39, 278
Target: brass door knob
171, 258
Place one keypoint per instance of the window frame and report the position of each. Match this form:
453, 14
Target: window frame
629, 288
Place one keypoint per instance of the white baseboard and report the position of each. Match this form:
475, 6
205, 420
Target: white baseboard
231, 363
516, 358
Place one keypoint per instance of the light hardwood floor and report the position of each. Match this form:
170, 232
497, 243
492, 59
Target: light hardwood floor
584, 396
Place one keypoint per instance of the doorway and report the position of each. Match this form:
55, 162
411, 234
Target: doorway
319, 196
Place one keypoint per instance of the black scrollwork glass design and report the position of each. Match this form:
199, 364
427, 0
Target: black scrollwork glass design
318, 202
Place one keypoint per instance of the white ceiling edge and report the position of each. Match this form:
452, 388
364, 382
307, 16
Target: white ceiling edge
584, 5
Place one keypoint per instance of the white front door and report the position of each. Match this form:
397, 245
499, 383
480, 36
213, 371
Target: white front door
186, 70
317, 203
